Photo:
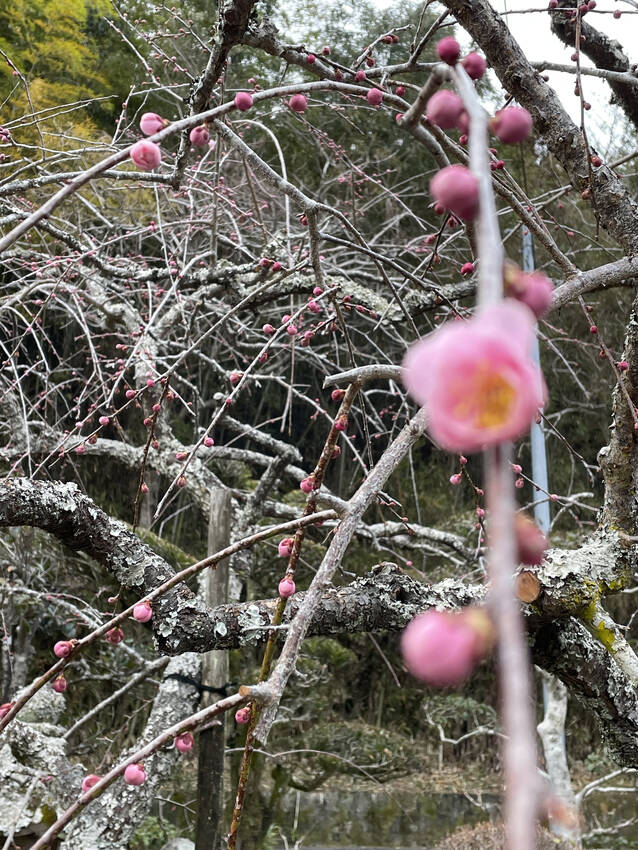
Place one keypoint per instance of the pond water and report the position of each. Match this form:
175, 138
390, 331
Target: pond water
418, 820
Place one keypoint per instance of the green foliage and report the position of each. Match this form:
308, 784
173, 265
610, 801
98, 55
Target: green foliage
152, 834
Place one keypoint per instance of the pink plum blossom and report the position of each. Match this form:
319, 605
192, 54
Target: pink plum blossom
142, 612
60, 684
456, 189
184, 742
374, 97
199, 136
152, 123
89, 781
242, 715
146, 155
285, 547
531, 288
512, 124
243, 100
441, 648
298, 103
135, 774
477, 379
444, 109
474, 65
286, 587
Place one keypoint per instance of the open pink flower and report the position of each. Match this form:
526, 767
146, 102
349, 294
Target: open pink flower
146, 155
477, 378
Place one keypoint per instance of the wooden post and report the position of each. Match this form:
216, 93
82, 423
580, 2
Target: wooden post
210, 780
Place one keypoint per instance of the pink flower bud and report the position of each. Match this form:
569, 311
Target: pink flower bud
337, 395
512, 124
285, 318
235, 377
374, 97
276, 267
298, 103
400, 91
286, 587
199, 136
184, 742
5, 708
242, 715
444, 109
243, 100
342, 422
292, 330
62, 648
269, 329
130, 394
151, 123
531, 288
150, 382
456, 478
317, 291
326, 50
519, 483
146, 155
208, 442
467, 268
144, 487
311, 58
441, 648
285, 547
265, 263
89, 781
480, 513
314, 307
181, 481
474, 65
135, 774
448, 50
360, 76
115, 635
308, 484
623, 365
456, 189
336, 452
181, 455
59, 684
530, 541
104, 420
142, 612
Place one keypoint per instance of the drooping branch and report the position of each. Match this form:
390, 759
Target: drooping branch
605, 53
615, 207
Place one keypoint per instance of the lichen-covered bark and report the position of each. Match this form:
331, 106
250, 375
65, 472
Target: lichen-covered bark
566, 649
603, 51
619, 459
615, 208
109, 822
